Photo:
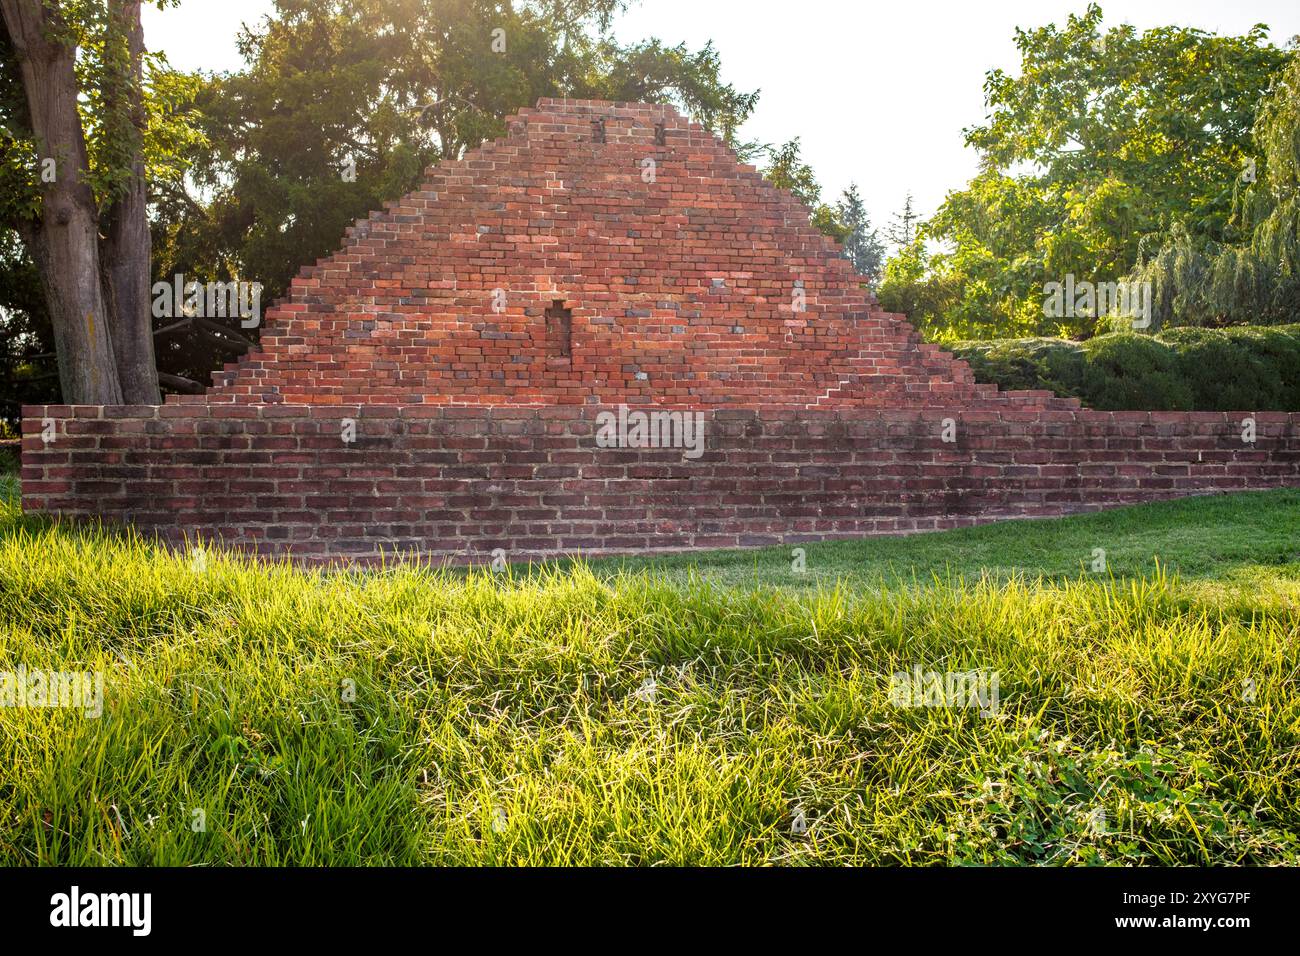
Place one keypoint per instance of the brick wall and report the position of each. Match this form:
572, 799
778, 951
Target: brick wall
691, 281
458, 482
675, 277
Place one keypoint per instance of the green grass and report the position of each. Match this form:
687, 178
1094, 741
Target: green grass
1239, 537
508, 720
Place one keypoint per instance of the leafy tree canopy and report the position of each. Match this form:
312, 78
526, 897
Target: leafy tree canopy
1102, 139
1255, 279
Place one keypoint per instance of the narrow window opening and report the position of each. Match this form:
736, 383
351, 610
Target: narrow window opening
598, 130
661, 134
559, 330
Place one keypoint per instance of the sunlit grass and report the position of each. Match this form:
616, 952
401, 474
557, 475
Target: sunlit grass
410, 716
1241, 535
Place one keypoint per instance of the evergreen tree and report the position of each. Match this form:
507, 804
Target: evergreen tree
902, 230
862, 245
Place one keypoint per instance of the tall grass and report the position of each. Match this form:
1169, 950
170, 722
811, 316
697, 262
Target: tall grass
410, 716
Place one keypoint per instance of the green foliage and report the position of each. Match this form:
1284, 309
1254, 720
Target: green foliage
787, 170
499, 719
926, 297
1278, 347
1251, 276
1055, 364
862, 244
1128, 128
1225, 376
1126, 370
975, 285
104, 79
1101, 141
24, 332
1235, 369
19, 172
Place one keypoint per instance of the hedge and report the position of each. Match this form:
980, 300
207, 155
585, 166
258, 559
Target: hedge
1243, 368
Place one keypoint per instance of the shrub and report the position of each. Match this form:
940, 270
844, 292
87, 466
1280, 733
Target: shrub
1127, 370
1223, 373
1243, 368
1279, 348
1027, 363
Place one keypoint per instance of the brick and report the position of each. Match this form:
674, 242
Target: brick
475, 430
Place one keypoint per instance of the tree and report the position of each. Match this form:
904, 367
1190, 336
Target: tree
74, 121
991, 282
1199, 281
1100, 142
25, 332
787, 170
902, 229
861, 244
909, 285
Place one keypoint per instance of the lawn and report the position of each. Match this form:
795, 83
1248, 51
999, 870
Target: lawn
706, 709
1241, 538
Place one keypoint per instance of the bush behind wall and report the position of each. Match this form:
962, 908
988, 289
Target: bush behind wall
1242, 368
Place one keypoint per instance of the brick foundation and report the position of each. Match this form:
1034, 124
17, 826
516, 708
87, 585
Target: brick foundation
455, 483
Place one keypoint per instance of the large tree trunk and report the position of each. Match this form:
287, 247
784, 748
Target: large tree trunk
64, 239
125, 250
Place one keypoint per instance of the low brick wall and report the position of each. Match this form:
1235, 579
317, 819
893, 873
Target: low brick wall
458, 482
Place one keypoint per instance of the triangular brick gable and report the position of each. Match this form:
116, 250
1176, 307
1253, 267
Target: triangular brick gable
673, 269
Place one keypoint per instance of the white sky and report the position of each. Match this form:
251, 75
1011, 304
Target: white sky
878, 91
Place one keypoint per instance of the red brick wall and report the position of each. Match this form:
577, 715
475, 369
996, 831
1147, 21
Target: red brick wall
682, 289
456, 483
475, 431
